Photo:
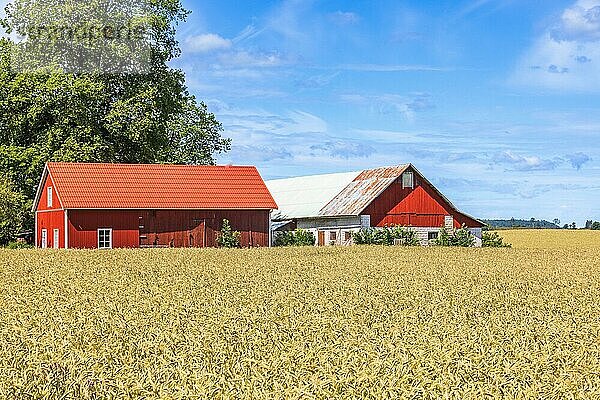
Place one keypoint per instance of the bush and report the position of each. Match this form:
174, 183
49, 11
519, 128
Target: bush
299, 237
228, 238
461, 237
386, 236
493, 239
596, 226
19, 245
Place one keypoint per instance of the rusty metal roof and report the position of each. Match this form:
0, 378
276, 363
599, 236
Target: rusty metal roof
362, 191
335, 195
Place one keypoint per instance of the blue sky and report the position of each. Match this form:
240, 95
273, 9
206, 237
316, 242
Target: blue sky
496, 101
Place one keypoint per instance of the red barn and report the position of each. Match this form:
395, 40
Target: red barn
333, 206
84, 205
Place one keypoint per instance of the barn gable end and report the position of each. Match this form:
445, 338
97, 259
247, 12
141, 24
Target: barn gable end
386, 196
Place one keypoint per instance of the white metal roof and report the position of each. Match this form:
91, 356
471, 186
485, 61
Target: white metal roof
305, 196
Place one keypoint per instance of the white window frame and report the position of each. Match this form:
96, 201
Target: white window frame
44, 239
412, 180
110, 238
56, 238
49, 197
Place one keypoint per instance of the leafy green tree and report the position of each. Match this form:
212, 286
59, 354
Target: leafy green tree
596, 226
14, 211
228, 238
88, 100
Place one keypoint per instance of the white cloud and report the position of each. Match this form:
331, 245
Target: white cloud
567, 55
526, 163
206, 43
581, 22
407, 106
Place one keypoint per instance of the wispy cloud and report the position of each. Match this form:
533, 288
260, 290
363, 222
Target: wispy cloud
566, 55
248, 33
392, 68
249, 59
577, 160
473, 6
526, 162
478, 5
316, 81
407, 106
206, 43
344, 148
518, 162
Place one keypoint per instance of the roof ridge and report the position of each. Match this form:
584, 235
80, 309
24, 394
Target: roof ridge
148, 164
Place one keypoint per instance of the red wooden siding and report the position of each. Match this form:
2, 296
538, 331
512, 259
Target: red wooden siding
177, 228
421, 207
51, 220
43, 204
84, 225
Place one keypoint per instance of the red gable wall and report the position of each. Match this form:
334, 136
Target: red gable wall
50, 218
421, 206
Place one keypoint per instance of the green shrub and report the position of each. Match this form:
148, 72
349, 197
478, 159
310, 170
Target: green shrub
228, 238
19, 245
386, 236
299, 237
493, 239
461, 237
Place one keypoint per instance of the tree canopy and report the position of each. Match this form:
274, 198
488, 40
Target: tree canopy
68, 96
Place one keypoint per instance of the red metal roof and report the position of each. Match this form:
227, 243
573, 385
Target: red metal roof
159, 186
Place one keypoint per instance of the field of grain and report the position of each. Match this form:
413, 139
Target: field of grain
552, 238
361, 322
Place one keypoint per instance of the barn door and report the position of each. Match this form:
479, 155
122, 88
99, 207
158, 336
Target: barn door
321, 238
197, 233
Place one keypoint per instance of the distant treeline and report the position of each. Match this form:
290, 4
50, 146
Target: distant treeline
520, 223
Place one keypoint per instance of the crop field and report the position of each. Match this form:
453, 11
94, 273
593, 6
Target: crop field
552, 238
359, 322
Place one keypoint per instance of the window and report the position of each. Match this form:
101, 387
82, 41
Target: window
449, 221
333, 235
432, 235
408, 180
50, 197
55, 238
44, 238
347, 236
365, 221
105, 238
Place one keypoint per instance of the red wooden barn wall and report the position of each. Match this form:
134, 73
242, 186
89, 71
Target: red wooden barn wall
177, 228
421, 206
50, 218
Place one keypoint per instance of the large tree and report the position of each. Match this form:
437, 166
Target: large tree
91, 83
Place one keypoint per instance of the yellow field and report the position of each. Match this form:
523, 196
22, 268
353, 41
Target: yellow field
551, 238
361, 322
